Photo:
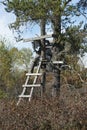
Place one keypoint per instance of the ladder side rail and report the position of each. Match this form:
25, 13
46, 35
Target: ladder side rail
23, 91
19, 100
21, 95
27, 79
38, 69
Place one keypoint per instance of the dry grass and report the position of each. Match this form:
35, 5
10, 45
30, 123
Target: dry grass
68, 112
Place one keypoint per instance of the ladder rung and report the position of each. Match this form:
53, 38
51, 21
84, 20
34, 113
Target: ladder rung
24, 96
32, 85
35, 74
57, 62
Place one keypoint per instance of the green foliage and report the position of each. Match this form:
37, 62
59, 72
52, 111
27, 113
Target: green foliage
25, 55
13, 64
82, 4
75, 37
21, 58
2, 94
32, 10
5, 65
59, 14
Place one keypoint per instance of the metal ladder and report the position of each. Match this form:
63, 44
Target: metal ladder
31, 86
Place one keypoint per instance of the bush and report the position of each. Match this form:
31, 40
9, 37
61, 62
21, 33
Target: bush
45, 114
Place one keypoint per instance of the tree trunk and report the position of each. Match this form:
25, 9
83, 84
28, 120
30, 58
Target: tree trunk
56, 48
43, 54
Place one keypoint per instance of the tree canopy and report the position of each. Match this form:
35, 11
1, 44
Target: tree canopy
62, 15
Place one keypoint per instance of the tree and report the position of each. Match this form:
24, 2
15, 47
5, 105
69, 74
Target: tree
13, 64
21, 58
58, 13
19, 66
6, 80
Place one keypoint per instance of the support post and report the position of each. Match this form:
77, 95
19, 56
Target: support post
43, 55
56, 81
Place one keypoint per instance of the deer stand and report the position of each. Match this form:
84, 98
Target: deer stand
40, 63
41, 60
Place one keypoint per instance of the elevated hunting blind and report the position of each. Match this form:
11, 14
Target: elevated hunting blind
41, 62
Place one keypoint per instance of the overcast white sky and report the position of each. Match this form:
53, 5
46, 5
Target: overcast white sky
6, 19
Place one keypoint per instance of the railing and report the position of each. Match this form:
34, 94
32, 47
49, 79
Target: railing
38, 38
